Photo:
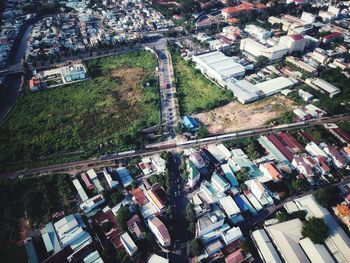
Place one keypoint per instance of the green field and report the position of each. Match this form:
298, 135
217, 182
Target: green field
52, 125
195, 92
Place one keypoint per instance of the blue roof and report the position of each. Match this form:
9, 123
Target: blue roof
124, 176
229, 175
242, 205
31, 253
190, 123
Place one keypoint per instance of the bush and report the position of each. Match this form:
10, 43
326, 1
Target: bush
316, 229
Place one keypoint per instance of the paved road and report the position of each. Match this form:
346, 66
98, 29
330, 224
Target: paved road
166, 78
166, 146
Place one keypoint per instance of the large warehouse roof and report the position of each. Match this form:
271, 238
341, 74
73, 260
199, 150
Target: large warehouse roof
326, 86
274, 85
220, 63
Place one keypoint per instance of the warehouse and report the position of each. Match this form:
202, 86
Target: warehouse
323, 85
244, 91
274, 86
218, 66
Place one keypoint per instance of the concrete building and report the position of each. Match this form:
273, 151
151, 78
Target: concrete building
286, 238
257, 32
218, 66
159, 230
265, 248
255, 49
273, 86
293, 42
308, 17
244, 91
323, 85
193, 174
337, 243
301, 64
128, 244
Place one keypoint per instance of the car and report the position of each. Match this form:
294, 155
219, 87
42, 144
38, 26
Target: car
175, 195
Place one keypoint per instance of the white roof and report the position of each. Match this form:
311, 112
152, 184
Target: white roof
128, 243
80, 190
274, 85
232, 235
265, 246
229, 206
286, 237
316, 253
157, 259
325, 85
220, 63
337, 242
91, 173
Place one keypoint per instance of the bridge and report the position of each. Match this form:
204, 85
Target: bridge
13, 69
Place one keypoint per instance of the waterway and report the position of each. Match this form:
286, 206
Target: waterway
10, 95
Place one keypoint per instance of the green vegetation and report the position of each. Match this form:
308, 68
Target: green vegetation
123, 216
196, 246
191, 218
76, 121
284, 216
195, 92
316, 229
328, 196
250, 146
114, 197
38, 198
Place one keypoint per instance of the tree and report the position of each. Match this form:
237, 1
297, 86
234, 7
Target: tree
196, 247
327, 197
242, 175
316, 229
282, 217
261, 61
123, 215
190, 213
107, 226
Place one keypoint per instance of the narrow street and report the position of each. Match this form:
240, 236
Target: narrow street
167, 89
178, 202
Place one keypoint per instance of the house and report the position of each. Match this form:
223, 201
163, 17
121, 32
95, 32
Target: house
231, 209
193, 174
128, 244
219, 152
159, 230
124, 176
89, 185
342, 211
260, 192
157, 197
110, 181
270, 171
91, 204
135, 228
139, 197
304, 165
336, 156
197, 159
209, 222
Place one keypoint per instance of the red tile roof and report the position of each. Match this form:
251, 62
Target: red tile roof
139, 196
235, 257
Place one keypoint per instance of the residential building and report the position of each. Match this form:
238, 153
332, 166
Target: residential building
260, 192
257, 32
271, 171
157, 196
110, 181
209, 222
337, 158
135, 228
83, 196
231, 209
90, 204
343, 213
322, 85
293, 42
159, 230
124, 176
193, 174
128, 244
197, 160
255, 49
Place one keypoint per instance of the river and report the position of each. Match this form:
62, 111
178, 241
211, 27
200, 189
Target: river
9, 97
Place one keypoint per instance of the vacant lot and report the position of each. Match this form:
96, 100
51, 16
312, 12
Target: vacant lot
235, 116
195, 92
112, 107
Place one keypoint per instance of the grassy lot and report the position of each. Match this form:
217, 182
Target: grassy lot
195, 92
112, 107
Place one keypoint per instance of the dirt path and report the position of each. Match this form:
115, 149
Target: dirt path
236, 116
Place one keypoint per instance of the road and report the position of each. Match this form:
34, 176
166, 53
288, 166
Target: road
169, 116
167, 146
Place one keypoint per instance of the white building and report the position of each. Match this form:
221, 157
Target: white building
128, 244
256, 49
265, 248
308, 17
293, 42
338, 243
112, 183
193, 174
257, 32
321, 84
314, 150
159, 230
260, 192
286, 238
244, 91
218, 66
